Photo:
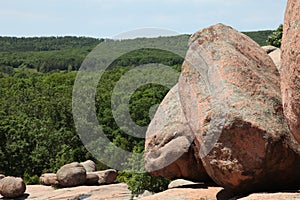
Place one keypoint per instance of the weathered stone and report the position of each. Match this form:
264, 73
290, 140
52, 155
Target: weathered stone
230, 93
48, 179
92, 179
89, 166
268, 49
72, 174
106, 176
181, 183
290, 67
169, 143
2, 176
276, 57
11, 187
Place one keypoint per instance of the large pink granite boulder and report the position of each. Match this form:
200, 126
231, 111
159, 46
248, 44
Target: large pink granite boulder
290, 67
230, 93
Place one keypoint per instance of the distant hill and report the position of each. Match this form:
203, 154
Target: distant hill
259, 36
67, 42
45, 43
45, 54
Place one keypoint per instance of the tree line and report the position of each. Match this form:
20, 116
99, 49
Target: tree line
12, 44
47, 54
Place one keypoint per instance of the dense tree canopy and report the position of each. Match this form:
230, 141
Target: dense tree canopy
11, 44
259, 36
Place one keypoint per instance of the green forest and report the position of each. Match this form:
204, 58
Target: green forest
37, 130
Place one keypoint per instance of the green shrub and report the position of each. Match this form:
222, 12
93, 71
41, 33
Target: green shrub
137, 179
31, 180
139, 182
260, 37
275, 38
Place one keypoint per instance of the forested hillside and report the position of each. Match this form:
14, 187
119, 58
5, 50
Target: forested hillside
260, 37
46, 43
47, 54
37, 131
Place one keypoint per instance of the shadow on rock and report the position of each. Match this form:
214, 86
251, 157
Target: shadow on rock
25, 196
228, 195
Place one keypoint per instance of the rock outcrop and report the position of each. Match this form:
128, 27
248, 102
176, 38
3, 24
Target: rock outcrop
120, 192
233, 111
11, 187
228, 115
70, 175
48, 179
230, 93
290, 67
169, 143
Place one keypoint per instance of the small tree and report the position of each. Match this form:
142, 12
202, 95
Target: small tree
139, 181
275, 38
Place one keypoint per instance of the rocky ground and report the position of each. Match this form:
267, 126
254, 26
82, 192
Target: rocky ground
121, 192
113, 192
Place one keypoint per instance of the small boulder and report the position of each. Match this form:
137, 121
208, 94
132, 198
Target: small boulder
70, 175
48, 179
89, 166
92, 179
106, 177
11, 187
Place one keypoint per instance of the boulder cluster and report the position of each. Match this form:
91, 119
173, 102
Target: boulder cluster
234, 116
69, 175
77, 174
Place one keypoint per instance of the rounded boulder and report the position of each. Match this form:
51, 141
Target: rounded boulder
73, 174
11, 187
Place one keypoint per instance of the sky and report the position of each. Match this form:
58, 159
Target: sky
107, 18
